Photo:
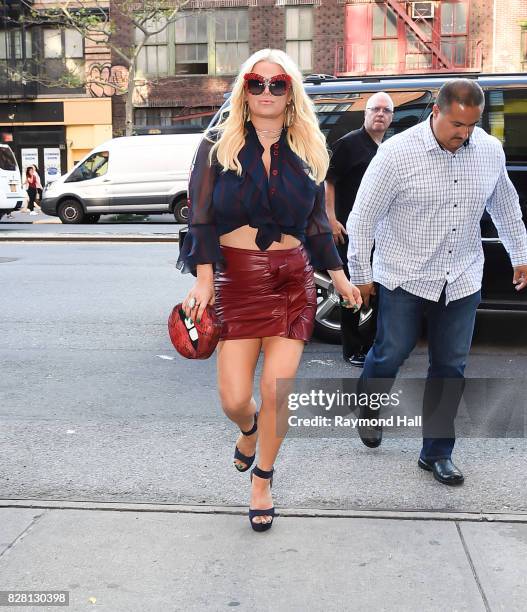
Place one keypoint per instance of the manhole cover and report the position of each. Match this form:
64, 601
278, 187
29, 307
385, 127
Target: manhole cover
8, 259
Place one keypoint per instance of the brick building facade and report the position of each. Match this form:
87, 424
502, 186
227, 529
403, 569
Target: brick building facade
343, 37
183, 99
510, 33
45, 121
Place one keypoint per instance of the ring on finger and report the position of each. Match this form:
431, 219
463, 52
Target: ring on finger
192, 302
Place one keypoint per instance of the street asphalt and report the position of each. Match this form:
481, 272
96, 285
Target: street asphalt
96, 407
23, 226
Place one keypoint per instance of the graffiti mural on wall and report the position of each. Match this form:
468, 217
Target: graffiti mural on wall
104, 80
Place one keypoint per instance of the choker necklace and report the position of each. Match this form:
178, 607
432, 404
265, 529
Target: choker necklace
268, 133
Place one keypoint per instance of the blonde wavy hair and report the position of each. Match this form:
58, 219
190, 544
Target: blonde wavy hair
303, 135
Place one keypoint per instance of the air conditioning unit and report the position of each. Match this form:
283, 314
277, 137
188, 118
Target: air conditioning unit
422, 10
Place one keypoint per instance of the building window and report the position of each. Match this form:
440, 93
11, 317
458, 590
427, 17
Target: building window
153, 57
384, 21
454, 30
384, 34
160, 117
12, 43
73, 44
231, 39
299, 36
63, 53
418, 55
52, 43
524, 46
62, 44
215, 42
152, 117
192, 44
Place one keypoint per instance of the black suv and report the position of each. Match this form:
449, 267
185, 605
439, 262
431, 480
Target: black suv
340, 104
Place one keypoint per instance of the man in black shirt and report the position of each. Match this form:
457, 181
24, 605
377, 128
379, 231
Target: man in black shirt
351, 155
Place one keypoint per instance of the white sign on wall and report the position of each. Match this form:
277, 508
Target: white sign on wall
51, 164
29, 158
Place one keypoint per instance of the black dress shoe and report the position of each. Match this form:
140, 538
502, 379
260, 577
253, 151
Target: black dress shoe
444, 471
370, 436
357, 360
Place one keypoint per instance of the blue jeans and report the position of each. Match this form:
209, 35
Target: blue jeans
450, 329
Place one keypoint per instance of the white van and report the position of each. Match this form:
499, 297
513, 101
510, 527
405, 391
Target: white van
133, 174
11, 192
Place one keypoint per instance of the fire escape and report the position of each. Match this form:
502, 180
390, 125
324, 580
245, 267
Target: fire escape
418, 36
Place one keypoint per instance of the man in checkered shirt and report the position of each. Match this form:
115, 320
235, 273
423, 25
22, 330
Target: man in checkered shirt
421, 200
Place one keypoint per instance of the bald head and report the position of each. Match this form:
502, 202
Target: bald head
378, 115
380, 99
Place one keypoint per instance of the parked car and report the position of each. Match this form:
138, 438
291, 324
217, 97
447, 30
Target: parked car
11, 192
340, 104
135, 174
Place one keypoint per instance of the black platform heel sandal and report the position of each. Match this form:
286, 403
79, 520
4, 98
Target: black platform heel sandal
239, 455
267, 511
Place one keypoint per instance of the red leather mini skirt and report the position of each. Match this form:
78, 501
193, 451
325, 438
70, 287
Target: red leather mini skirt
266, 293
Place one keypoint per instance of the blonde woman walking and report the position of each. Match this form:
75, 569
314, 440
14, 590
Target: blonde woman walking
258, 228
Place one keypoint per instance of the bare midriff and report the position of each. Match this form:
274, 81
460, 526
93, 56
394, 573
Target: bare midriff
245, 238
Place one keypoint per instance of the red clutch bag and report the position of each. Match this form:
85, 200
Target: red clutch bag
191, 339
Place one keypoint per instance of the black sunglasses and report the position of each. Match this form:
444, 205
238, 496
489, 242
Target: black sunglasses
278, 85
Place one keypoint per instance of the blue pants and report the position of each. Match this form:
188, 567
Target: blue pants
450, 329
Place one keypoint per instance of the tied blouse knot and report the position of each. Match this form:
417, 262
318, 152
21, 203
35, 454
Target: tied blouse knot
287, 202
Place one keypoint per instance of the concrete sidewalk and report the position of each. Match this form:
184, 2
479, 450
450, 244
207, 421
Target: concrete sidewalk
152, 558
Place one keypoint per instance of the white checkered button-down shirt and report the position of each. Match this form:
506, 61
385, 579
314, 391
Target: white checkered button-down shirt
423, 205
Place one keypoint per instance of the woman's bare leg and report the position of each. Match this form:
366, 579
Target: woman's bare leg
281, 359
236, 362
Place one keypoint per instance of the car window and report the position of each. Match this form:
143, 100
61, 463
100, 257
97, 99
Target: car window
221, 115
339, 114
96, 165
506, 118
7, 159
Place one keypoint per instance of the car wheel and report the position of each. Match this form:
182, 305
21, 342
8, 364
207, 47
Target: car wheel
181, 210
327, 318
71, 211
91, 218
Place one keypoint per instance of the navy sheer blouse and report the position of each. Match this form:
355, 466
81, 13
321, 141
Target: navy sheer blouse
287, 202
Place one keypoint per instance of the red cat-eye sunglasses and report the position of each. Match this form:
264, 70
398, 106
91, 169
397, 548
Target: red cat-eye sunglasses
278, 85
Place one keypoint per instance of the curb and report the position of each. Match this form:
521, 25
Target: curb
410, 515
26, 237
